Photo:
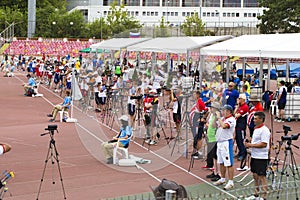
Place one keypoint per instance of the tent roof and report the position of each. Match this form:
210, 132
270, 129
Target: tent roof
117, 43
293, 66
176, 44
271, 45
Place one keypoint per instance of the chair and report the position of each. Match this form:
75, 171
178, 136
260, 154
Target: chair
63, 113
123, 149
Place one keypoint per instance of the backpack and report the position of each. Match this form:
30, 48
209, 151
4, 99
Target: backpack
160, 191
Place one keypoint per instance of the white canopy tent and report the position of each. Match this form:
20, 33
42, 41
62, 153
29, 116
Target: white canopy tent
176, 45
261, 46
117, 43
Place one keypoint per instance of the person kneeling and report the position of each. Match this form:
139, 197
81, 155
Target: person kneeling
122, 139
65, 105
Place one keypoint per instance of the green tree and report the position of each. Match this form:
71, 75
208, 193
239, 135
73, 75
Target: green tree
280, 16
162, 30
193, 26
118, 21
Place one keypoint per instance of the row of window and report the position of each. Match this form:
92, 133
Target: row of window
184, 14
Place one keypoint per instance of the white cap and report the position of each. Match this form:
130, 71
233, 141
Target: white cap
242, 96
124, 118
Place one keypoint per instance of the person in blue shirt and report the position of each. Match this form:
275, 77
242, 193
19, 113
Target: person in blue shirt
30, 84
206, 95
230, 95
122, 139
65, 106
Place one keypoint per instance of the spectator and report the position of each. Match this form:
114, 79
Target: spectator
206, 95
123, 138
245, 91
224, 137
211, 125
230, 95
30, 85
255, 106
281, 101
241, 114
296, 88
260, 145
65, 105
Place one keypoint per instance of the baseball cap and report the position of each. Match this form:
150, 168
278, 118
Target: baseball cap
254, 98
216, 105
124, 118
227, 107
242, 96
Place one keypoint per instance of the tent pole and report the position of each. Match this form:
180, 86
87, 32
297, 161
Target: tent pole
201, 68
227, 69
261, 62
187, 63
168, 62
287, 74
269, 74
244, 67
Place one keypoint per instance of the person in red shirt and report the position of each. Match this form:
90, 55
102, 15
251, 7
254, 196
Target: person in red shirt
241, 114
198, 110
255, 106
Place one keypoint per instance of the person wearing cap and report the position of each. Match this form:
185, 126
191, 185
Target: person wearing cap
206, 95
255, 106
150, 109
176, 110
230, 95
122, 138
211, 159
241, 113
224, 137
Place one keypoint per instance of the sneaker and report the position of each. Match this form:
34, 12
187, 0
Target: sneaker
49, 115
253, 198
147, 141
212, 175
152, 142
278, 120
219, 182
216, 178
229, 186
51, 120
205, 167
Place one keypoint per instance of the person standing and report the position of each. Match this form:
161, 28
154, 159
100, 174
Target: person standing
230, 95
260, 145
241, 114
255, 106
224, 137
281, 101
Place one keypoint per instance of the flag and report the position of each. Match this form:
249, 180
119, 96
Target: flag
192, 112
134, 35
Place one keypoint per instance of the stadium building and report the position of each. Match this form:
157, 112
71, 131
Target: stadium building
215, 13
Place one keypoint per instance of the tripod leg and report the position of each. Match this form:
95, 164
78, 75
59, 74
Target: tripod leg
44, 170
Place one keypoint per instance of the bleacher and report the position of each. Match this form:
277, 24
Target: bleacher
46, 46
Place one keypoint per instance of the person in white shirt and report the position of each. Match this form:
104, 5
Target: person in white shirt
224, 137
260, 145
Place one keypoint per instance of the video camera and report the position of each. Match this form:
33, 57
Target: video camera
51, 127
290, 138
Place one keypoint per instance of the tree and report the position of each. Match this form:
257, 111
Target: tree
280, 16
193, 26
162, 30
118, 21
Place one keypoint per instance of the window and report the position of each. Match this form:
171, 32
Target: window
204, 14
253, 14
144, 13
245, 14
131, 2
212, 14
231, 3
148, 13
228, 14
150, 3
152, 13
105, 12
164, 13
211, 3
190, 3
170, 3
108, 2
176, 13
208, 14
224, 14
132, 13
237, 14
217, 14
188, 13
249, 14
183, 14
156, 13
250, 3
232, 14
172, 13
136, 13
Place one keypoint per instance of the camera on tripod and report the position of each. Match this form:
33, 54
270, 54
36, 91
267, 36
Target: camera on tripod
51, 127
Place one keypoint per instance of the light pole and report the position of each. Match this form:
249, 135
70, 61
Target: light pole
218, 15
168, 11
100, 24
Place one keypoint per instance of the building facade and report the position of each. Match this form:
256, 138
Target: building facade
214, 13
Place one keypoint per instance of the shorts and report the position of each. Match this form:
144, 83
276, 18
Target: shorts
69, 85
131, 109
102, 100
225, 153
281, 106
259, 166
177, 118
97, 98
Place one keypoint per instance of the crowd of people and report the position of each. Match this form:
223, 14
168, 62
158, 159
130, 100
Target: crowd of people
223, 113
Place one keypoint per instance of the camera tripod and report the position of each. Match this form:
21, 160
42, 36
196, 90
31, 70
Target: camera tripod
187, 123
53, 156
289, 163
